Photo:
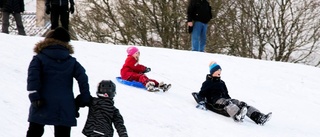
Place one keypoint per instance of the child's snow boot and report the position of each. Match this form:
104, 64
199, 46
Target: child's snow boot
241, 114
260, 118
150, 86
164, 87
241, 106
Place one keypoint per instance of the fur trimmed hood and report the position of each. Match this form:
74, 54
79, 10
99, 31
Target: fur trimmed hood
51, 42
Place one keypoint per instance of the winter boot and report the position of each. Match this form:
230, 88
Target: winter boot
260, 118
150, 86
243, 105
240, 114
164, 87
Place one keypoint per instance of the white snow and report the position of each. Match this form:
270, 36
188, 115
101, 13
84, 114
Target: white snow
289, 91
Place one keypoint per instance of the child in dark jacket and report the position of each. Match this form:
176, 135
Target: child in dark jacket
133, 71
214, 96
103, 113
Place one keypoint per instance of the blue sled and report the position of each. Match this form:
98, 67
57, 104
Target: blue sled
131, 83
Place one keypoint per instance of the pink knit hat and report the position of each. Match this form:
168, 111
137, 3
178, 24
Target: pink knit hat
132, 50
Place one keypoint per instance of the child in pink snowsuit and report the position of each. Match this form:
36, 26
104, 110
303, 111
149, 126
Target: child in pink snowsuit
133, 71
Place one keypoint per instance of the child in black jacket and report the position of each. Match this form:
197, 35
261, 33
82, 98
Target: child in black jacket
214, 96
103, 113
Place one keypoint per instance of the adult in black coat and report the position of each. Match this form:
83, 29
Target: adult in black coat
50, 85
14, 7
59, 9
214, 96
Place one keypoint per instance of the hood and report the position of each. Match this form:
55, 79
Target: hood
54, 48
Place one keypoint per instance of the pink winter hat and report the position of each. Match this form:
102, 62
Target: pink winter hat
132, 50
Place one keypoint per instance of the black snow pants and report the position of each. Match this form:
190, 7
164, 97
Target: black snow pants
62, 13
37, 130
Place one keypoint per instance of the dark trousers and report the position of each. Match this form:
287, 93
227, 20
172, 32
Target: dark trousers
37, 130
5, 22
62, 13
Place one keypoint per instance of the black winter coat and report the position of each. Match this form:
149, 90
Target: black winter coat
102, 113
59, 2
51, 74
199, 10
12, 6
213, 89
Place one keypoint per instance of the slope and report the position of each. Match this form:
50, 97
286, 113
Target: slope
290, 91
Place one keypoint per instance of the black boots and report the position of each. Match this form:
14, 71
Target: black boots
260, 118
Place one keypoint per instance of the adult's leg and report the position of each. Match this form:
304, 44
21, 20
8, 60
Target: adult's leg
35, 130
203, 36
195, 36
64, 18
20, 27
5, 22
55, 13
62, 131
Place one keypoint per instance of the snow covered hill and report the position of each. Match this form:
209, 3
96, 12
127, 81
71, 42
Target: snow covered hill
290, 91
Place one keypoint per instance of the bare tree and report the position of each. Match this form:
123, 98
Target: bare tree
231, 30
291, 29
141, 22
280, 30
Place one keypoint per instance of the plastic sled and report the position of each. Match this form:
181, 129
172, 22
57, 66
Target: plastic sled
195, 96
210, 106
131, 83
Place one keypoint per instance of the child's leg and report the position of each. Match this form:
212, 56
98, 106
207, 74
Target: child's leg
240, 104
235, 101
221, 103
139, 77
155, 82
258, 117
243, 109
149, 84
143, 79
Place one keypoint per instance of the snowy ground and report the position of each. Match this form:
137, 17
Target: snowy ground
290, 91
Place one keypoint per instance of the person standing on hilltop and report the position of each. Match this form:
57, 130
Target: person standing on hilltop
198, 16
14, 7
59, 9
